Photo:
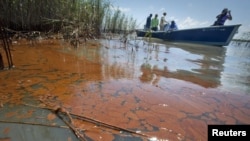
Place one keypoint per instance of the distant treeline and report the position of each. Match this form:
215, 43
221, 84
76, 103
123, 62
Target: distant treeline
243, 40
84, 16
245, 37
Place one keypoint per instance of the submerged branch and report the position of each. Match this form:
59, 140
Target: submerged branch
70, 124
91, 120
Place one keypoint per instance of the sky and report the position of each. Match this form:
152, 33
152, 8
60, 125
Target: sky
187, 13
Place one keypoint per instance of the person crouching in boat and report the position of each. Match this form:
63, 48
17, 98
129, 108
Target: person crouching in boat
155, 23
173, 26
221, 18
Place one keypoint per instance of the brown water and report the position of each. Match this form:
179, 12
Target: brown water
164, 90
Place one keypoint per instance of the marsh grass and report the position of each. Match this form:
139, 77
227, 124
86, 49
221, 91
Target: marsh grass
73, 18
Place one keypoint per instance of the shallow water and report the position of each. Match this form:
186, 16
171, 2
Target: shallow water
222, 68
164, 90
236, 74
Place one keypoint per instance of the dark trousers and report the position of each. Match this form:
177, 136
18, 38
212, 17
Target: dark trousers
217, 23
154, 28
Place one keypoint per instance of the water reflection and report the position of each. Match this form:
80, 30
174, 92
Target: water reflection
202, 66
151, 62
154, 61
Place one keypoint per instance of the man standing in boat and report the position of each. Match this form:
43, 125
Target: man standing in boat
155, 23
221, 18
148, 22
163, 21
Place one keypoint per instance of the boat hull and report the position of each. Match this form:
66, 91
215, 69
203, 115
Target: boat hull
213, 35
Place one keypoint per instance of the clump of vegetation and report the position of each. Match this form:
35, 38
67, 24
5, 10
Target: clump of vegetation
72, 18
117, 22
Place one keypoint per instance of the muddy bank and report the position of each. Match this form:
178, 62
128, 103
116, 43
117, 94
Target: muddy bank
144, 87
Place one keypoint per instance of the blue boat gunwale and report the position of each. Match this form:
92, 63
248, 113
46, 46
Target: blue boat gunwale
223, 42
208, 27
